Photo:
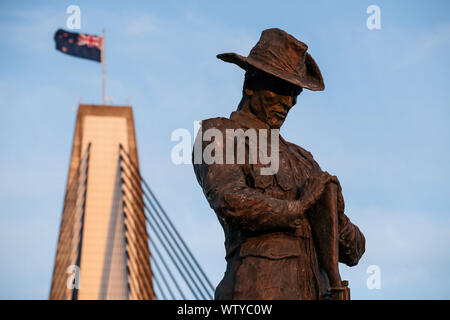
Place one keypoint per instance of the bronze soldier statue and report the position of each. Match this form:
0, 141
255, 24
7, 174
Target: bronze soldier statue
284, 232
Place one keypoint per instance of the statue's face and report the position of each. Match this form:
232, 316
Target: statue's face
272, 108
271, 99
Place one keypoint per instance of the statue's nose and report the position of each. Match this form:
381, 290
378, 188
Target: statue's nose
288, 102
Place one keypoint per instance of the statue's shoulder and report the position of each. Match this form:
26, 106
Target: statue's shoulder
300, 150
220, 123
303, 153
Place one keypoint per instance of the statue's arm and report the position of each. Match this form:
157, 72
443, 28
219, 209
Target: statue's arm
228, 194
351, 240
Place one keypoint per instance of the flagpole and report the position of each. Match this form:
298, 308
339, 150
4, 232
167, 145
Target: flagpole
103, 70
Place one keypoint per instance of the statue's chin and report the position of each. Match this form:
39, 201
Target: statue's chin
276, 124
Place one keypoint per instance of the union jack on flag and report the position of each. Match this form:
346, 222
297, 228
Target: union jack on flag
79, 45
90, 41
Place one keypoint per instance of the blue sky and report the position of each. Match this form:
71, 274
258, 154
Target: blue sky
381, 125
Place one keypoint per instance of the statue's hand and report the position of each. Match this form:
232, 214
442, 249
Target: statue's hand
314, 188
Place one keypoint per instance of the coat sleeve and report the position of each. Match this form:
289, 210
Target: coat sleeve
351, 240
237, 204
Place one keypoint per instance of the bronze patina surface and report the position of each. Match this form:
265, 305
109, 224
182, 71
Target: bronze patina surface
284, 232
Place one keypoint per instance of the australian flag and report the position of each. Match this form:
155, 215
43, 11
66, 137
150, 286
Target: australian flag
79, 45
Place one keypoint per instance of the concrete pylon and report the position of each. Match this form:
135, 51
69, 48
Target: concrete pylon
102, 250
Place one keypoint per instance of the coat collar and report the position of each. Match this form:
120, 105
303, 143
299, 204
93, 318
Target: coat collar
249, 120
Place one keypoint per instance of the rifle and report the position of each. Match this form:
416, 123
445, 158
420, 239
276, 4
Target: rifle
323, 217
